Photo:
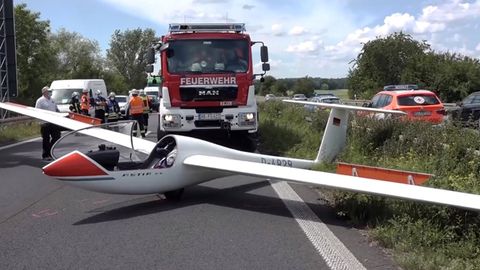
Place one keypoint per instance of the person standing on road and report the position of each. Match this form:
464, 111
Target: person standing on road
147, 104
50, 132
100, 106
135, 111
113, 108
75, 103
85, 103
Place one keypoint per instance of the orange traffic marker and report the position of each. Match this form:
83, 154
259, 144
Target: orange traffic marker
84, 118
377, 173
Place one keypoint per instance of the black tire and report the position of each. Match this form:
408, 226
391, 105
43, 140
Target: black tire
174, 195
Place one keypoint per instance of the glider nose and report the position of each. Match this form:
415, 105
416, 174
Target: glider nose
74, 165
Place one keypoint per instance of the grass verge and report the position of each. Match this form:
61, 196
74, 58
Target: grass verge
18, 131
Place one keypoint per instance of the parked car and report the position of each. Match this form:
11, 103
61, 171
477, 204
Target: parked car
418, 104
300, 97
323, 99
270, 97
467, 111
122, 102
324, 95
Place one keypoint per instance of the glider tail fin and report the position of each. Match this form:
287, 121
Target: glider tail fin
334, 135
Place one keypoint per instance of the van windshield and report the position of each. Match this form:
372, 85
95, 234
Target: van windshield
63, 96
151, 93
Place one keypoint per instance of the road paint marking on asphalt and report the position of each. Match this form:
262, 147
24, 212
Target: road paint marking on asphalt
332, 250
44, 213
19, 143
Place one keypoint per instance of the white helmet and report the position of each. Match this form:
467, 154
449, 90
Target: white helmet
134, 92
74, 94
112, 94
98, 92
142, 92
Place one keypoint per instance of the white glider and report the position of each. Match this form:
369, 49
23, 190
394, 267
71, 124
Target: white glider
176, 162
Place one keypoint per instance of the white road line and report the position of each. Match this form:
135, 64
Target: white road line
18, 143
332, 250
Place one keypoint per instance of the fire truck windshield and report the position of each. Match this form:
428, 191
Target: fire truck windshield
208, 56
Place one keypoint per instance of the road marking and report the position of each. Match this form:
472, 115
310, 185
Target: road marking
19, 143
332, 250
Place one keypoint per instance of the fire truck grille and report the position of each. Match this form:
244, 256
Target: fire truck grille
204, 94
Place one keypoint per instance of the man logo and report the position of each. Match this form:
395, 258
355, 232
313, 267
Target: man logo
209, 93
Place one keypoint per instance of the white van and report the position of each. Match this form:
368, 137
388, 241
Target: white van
62, 90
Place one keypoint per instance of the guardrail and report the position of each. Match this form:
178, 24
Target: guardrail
15, 119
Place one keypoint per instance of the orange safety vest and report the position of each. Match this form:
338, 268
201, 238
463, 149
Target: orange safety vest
84, 104
136, 105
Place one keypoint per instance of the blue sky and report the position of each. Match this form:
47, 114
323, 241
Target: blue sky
317, 38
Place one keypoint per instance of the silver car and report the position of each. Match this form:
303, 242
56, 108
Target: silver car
301, 97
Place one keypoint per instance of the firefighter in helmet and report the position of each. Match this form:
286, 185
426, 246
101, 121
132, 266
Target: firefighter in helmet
100, 106
113, 109
85, 102
75, 103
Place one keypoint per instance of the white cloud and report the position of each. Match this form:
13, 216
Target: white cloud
303, 47
277, 30
297, 31
477, 48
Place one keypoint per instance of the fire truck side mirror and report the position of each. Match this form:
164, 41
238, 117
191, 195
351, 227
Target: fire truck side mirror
149, 68
150, 55
264, 53
265, 66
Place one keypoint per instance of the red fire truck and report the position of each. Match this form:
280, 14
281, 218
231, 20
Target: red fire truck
207, 79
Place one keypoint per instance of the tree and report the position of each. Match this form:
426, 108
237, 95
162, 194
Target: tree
324, 86
127, 54
35, 56
267, 85
77, 56
304, 85
383, 61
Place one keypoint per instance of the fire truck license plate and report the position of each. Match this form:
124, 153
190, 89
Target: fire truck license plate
209, 116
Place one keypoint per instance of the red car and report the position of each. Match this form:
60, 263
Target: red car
418, 104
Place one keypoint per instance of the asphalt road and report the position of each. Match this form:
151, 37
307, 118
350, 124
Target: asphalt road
231, 223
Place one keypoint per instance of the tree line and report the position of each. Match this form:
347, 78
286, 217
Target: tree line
400, 59
305, 85
44, 56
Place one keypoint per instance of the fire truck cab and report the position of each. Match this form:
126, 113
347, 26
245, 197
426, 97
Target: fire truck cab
207, 79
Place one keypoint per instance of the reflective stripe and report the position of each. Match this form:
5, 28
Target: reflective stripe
136, 105
146, 108
84, 104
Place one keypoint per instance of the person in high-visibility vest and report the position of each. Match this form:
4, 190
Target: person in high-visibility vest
147, 104
134, 111
85, 102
